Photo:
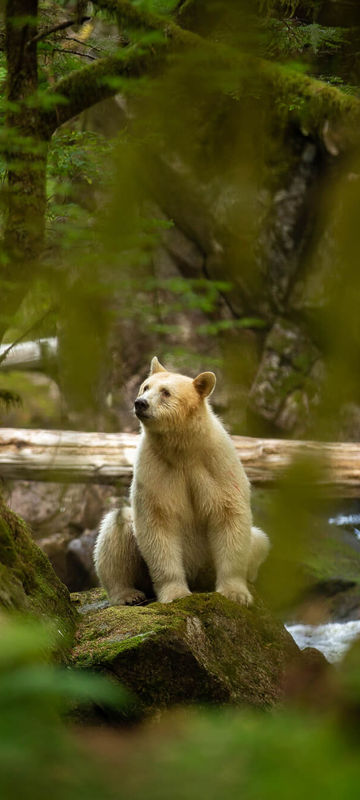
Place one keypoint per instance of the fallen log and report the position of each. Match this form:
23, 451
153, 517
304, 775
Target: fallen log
108, 458
29, 355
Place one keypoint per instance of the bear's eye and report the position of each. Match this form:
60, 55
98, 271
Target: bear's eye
165, 392
145, 389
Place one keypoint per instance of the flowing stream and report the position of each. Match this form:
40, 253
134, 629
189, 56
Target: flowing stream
333, 639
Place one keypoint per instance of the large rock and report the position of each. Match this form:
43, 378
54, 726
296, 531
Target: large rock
51, 508
63, 521
80, 561
27, 580
201, 649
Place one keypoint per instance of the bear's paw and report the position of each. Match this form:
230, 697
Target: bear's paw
128, 597
237, 591
172, 591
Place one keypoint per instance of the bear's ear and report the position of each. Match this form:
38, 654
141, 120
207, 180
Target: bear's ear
155, 366
205, 383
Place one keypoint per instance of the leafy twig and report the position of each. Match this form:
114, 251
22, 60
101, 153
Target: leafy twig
60, 27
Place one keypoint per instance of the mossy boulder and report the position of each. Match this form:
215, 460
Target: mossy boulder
28, 582
201, 649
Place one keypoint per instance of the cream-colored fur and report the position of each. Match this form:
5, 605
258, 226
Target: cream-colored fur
190, 521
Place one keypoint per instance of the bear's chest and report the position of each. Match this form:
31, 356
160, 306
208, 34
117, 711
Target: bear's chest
201, 491
188, 489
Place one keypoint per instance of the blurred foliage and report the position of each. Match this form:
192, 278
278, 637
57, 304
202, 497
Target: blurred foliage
289, 515
9, 399
32, 398
223, 753
78, 155
246, 755
38, 757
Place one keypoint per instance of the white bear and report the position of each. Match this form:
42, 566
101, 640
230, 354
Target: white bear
190, 523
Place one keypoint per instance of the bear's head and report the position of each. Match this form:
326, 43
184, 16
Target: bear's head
167, 399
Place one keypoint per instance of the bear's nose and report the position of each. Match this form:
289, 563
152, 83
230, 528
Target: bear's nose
140, 406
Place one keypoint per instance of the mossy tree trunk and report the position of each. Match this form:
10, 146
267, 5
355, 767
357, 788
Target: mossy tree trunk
25, 151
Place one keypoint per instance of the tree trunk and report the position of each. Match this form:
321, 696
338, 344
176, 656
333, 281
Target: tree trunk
25, 153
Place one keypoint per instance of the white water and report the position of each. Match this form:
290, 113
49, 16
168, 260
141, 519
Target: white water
347, 521
333, 639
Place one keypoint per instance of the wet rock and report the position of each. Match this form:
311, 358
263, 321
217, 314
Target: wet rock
55, 547
203, 648
80, 570
308, 681
331, 587
326, 603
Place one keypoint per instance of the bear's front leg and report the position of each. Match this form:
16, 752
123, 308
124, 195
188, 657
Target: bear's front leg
117, 559
230, 544
162, 552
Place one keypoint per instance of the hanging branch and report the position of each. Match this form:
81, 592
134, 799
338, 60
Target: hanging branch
309, 100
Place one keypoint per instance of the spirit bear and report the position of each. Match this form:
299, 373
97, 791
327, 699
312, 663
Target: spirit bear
190, 524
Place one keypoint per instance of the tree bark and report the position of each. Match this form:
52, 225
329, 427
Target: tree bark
108, 458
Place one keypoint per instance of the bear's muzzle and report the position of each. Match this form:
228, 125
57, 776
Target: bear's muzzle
141, 407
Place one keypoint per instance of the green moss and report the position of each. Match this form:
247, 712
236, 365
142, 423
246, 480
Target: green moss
7, 549
28, 582
309, 101
333, 556
106, 632
203, 648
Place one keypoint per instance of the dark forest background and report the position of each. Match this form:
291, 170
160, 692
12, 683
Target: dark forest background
179, 178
